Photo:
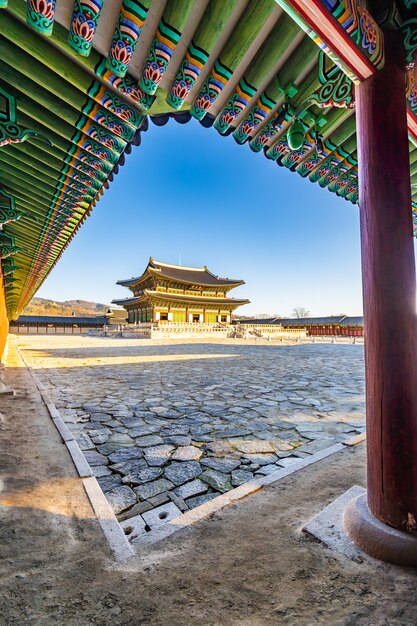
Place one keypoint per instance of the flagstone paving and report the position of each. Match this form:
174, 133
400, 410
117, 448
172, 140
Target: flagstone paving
183, 420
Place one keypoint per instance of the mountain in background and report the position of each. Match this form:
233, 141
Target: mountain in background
42, 306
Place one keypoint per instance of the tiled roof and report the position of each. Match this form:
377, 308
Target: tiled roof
55, 319
181, 274
352, 321
308, 321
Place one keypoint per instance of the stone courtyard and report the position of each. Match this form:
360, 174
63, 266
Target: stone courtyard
182, 421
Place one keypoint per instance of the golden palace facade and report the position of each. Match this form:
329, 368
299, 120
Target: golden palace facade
174, 293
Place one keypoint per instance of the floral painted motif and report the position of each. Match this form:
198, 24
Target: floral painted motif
85, 168
121, 53
40, 15
326, 165
269, 131
83, 28
114, 143
127, 86
83, 25
211, 89
412, 87
308, 165
95, 162
188, 73
131, 20
153, 72
160, 55
180, 90
115, 125
251, 122
84, 179
278, 150
346, 179
98, 151
235, 106
260, 141
369, 31
292, 159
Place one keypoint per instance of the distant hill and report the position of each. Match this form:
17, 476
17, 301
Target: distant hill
42, 306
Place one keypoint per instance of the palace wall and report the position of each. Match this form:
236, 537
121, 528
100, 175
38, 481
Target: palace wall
4, 323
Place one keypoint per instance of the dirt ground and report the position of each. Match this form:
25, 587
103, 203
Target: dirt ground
248, 565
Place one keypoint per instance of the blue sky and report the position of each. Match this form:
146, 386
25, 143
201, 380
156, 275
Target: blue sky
187, 193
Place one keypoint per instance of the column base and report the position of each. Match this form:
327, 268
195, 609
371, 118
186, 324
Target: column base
377, 539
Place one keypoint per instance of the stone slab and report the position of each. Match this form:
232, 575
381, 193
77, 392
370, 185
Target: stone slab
194, 488
53, 411
255, 447
143, 475
149, 440
240, 477
101, 470
180, 472
353, 441
179, 502
77, 456
314, 446
286, 461
199, 500
112, 530
125, 454
151, 489
187, 453
217, 480
161, 515
221, 465
160, 499
107, 483
95, 458
121, 498
327, 526
137, 509
301, 464
133, 527
63, 430
84, 441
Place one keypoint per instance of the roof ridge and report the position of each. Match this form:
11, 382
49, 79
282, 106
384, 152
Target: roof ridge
182, 267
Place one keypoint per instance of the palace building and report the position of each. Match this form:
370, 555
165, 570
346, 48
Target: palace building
173, 293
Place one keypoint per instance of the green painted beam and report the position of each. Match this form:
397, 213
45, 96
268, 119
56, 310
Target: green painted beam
261, 67
247, 28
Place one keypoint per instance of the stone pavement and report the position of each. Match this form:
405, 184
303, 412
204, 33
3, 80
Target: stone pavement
181, 421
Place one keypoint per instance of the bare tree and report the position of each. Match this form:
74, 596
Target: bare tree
300, 312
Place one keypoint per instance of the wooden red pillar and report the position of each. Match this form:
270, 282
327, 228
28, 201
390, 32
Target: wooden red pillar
389, 291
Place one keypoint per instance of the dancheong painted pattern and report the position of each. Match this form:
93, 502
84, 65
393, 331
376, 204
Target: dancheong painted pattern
79, 81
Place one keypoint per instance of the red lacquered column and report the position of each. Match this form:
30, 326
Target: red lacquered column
389, 292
